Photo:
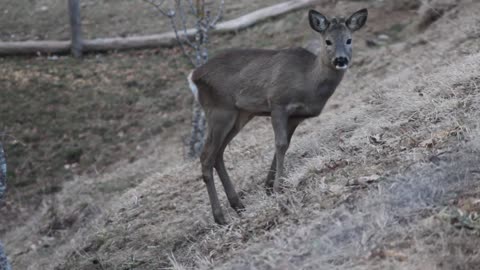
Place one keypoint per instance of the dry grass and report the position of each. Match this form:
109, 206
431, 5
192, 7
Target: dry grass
57, 114
386, 178
432, 10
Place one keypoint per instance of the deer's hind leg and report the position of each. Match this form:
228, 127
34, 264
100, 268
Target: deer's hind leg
219, 122
242, 119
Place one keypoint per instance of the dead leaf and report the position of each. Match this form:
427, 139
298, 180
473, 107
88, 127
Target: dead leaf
387, 253
364, 180
428, 143
469, 204
395, 255
376, 139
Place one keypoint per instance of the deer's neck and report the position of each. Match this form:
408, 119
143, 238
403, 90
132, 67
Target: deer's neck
325, 78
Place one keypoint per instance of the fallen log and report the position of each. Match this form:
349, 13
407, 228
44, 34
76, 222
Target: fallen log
151, 41
34, 47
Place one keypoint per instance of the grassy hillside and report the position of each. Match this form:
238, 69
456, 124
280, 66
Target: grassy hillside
385, 178
65, 117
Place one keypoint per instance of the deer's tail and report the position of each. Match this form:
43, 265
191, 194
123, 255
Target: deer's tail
193, 86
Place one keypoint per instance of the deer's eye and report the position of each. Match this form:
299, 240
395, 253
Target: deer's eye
328, 42
349, 41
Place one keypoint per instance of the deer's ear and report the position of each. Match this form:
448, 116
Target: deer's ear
317, 21
357, 20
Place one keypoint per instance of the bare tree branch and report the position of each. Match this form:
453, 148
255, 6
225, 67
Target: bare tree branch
200, 9
171, 14
192, 7
158, 6
183, 18
179, 39
219, 16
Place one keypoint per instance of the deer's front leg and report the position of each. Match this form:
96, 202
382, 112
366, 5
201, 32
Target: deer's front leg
280, 128
292, 125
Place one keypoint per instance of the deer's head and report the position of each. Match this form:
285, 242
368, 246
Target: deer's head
337, 36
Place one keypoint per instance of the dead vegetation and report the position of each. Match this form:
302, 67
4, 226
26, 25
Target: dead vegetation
386, 178
432, 10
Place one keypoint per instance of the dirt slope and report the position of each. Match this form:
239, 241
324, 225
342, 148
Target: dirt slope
385, 178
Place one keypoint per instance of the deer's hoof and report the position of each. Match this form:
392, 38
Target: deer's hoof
221, 221
278, 189
219, 218
278, 186
269, 187
239, 208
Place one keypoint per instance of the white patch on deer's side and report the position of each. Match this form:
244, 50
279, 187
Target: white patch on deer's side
193, 86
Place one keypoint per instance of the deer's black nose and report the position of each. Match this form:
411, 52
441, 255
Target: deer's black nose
341, 62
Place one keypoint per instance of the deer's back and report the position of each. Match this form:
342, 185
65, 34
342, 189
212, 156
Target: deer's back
249, 78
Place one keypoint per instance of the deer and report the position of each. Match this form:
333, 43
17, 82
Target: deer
288, 85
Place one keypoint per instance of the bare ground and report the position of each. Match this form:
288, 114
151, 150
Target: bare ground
386, 178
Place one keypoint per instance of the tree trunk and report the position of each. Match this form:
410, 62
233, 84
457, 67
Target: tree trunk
4, 265
197, 138
3, 172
